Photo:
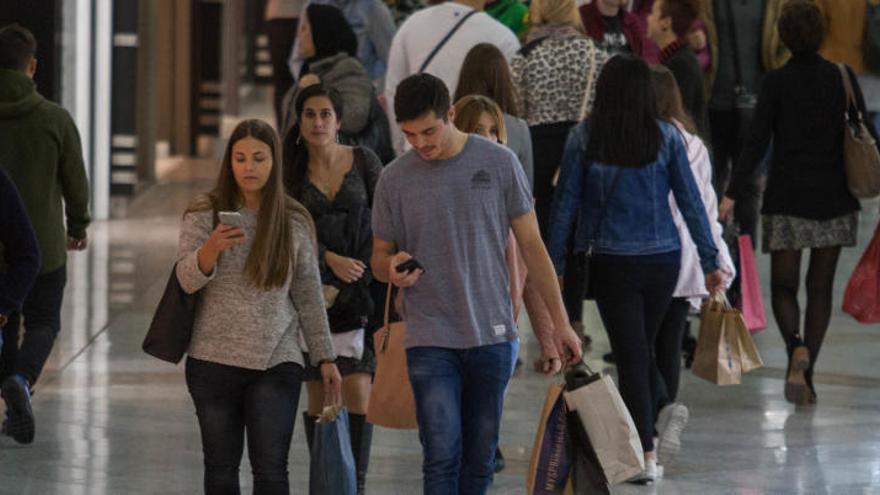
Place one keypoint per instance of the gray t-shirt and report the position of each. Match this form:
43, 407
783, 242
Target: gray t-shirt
454, 216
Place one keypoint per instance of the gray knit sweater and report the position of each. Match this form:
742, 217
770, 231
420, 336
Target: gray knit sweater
239, 325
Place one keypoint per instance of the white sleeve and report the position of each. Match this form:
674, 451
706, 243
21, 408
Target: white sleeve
702, 168
398, 70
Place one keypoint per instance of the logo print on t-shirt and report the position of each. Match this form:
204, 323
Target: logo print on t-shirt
481, 180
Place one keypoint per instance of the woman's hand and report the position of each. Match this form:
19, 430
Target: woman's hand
725, 208
332, 384
715, 282
223, 237
349, 270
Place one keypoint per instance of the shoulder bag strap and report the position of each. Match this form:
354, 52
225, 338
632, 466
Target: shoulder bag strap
852, 113
444, 40
591, 77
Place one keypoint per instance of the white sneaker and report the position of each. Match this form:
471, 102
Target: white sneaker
670, 424
652, 473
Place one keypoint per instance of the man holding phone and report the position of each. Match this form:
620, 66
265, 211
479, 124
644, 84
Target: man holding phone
450, 203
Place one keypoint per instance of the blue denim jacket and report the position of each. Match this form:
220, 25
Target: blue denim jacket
637, 220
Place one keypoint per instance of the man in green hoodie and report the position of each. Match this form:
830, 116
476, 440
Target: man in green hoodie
40, 151
512, 13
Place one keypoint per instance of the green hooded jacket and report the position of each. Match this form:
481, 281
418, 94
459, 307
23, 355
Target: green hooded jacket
512, 13
40, 151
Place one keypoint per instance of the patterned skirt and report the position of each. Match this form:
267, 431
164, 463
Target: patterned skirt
784, 232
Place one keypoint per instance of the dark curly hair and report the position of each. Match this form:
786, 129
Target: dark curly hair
801, 26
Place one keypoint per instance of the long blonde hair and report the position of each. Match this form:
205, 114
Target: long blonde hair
555, 11
273, 251
469, 109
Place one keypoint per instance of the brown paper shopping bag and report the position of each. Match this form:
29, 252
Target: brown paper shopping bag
717, 357
750, 358
550, 464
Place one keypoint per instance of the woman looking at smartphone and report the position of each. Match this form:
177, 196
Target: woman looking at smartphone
336, 183
259, 295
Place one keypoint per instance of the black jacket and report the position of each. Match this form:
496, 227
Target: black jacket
801, 109
19, 254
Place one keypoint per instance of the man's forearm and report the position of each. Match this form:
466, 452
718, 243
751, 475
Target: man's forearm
379, 264
542, 276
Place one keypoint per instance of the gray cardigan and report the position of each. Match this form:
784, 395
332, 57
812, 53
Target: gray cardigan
239, 325
519, 140
347, 76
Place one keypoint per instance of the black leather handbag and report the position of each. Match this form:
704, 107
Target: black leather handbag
171, 329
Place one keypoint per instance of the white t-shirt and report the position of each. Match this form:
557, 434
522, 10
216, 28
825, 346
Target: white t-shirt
422, 31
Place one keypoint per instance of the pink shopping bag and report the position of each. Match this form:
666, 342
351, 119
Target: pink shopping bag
750, 286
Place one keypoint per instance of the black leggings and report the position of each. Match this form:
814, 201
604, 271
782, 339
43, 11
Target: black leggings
667, 353
633, 299
785, 270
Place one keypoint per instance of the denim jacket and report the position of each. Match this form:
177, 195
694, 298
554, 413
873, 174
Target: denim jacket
638, 220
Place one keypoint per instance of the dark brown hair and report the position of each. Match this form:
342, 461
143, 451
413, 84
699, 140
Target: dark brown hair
682, 13
485, 72
668, 97
17, 47
272, 253
801, 26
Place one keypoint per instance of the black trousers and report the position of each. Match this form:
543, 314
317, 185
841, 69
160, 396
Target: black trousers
282, 33
667, 353
231, 401
42, 322
633, 299
727, 143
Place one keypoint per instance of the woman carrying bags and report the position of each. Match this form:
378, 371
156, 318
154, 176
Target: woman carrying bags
555, 74
807, 204
336, 183
690, 289
618, 194
259, 295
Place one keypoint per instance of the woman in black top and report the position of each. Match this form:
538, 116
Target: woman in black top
807, 204
335, 183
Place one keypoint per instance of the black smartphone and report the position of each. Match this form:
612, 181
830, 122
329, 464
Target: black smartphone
409, 265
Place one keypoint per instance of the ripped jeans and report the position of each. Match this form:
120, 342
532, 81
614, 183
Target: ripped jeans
459, 395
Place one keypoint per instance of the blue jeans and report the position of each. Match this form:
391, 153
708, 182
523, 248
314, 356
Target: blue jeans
230, 401
459, 397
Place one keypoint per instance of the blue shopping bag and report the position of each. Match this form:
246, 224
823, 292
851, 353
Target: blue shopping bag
332, 470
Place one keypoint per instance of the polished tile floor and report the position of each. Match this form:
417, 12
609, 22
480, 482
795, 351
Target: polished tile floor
113, 420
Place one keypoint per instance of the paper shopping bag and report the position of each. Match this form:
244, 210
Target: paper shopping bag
750, 358
752, 300
332, 469
862, 297
607, 422
717, 357
550, 464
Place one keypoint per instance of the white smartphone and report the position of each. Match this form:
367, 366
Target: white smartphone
230, 218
